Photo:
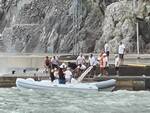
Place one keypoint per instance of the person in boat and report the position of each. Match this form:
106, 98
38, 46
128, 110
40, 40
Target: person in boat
61, 74
47, 64
79, 70
117, 64
55, 62
92, 62
68, 75
63, 66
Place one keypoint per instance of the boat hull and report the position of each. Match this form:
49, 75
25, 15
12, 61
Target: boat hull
47, 85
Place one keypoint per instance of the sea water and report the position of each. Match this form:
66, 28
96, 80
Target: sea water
13, 100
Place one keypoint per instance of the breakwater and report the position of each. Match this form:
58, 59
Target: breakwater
123, 82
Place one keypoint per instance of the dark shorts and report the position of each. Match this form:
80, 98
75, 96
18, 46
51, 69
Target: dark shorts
121, 56
116, 68
61, 81
107, 53
52, 77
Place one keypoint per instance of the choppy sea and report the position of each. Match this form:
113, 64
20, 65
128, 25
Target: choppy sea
13, 100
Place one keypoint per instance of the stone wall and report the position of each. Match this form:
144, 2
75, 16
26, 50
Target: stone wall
66, 26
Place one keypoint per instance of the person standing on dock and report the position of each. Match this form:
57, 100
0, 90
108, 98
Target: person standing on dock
121, 51
106, 49
55, 62
80, 60
93, 62
117, 64
47, 64
103, 60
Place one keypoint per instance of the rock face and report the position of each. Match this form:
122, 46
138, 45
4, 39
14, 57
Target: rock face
73, 26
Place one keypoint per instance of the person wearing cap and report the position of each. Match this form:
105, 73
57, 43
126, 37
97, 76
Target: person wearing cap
63, 66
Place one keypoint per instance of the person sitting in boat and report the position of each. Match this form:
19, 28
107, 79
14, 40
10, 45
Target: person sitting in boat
61, 74
68, 75
56, 73
63, 66
80, 68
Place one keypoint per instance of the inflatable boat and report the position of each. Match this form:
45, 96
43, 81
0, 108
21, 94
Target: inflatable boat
74, 85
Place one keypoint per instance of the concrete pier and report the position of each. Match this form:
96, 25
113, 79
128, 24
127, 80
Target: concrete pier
9, 80
128, 82
123, 82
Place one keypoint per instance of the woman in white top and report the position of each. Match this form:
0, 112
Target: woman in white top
68, 75
121, 51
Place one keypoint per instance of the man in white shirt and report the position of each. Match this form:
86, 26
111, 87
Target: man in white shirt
121, 51
80, 60
54, 62
106, 49
93, 62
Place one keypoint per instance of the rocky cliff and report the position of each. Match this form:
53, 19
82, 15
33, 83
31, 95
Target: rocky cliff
73, 26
